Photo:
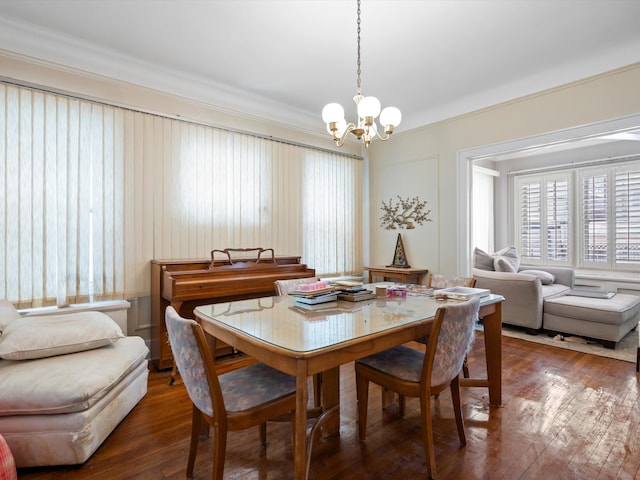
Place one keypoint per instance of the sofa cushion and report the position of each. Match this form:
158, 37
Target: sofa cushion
615, 310
46, 336
8, 313
554, 290
482, 260
67, 383
506, 260
546, 278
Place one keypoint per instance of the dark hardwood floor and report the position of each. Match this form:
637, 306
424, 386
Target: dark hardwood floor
566, 415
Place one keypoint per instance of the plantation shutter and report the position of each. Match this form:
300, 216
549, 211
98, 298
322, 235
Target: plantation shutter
530, 219
557, 192
595, 217
627, 201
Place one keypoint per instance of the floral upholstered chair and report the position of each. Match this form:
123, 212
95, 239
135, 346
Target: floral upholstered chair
413, 373
436, 280
236, 400
448, 281
283, 287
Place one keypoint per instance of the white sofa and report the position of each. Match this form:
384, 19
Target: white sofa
525, 293
66, 382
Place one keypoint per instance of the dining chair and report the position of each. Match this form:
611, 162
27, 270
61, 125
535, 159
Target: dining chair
240, 399
414, 373
283, 287
447, 281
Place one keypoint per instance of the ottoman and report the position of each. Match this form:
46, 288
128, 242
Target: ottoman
604, 319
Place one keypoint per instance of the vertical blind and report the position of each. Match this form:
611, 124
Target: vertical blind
93, 192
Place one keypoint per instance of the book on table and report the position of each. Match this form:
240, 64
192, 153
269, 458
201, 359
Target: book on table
358, 296
320, 298
463, 293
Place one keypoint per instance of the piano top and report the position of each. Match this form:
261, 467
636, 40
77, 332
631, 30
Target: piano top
196, 279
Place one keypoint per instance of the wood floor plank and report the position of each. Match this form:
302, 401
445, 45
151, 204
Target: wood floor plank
565, 415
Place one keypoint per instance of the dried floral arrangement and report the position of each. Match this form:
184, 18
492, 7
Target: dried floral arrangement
404, 213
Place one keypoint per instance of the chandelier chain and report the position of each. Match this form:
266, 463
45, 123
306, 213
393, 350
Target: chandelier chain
368, 109
359, 69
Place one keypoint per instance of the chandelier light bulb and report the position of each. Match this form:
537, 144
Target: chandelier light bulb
369, 107
390, 116
332, 112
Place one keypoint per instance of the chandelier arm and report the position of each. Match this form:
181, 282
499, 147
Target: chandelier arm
341, 139
384, 139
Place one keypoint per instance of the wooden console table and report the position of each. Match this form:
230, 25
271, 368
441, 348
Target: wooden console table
404, 274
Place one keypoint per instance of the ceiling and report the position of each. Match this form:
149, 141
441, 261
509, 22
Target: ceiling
284, 59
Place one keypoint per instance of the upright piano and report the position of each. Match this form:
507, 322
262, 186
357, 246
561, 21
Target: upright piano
185, 284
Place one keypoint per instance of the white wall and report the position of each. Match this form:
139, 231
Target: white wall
437, 246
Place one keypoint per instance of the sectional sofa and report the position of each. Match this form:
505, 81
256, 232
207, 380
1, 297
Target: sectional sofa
545, 298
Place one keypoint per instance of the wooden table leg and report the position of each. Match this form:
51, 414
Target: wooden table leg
493, 351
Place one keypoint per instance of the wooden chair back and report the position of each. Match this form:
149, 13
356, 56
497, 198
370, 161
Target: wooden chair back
447, 281
252, 395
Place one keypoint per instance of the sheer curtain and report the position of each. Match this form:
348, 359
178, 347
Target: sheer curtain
93, 192
483, 209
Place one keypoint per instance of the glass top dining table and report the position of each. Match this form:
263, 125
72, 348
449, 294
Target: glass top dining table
302, 340
287, 324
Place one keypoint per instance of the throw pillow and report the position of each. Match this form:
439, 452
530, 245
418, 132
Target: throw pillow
546, 278
506, 260
46, 336
8, 313
482, 260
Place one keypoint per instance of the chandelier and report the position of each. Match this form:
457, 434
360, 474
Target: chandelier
368, 109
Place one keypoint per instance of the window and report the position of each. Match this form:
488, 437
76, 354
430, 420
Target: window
93, 192
611, 216
627, 232
543, 209
595, 216
606, 216
483, 208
